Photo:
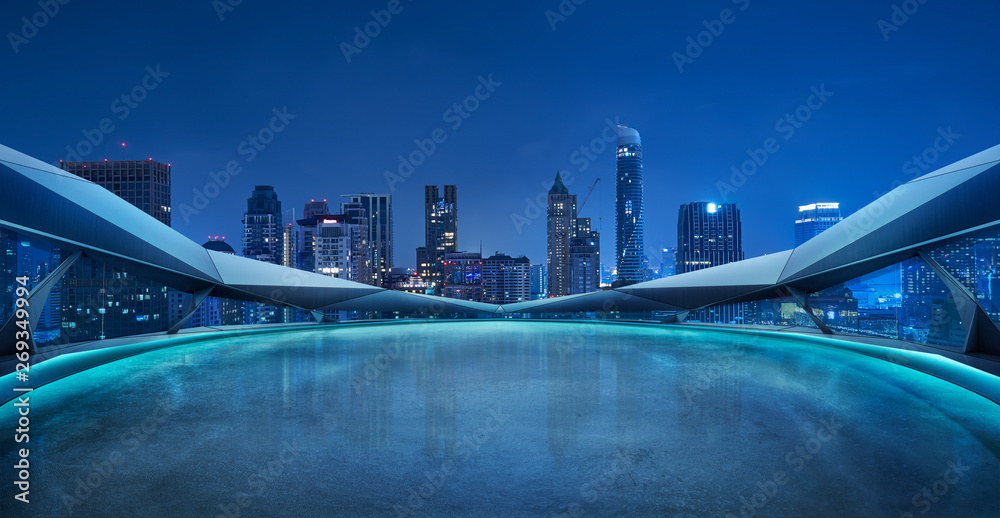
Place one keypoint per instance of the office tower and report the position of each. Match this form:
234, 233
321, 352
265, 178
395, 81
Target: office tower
341, 246
440, 233
561, 219
584, 258
539, 281
463, 276
710, 235
573, 257
143, 183
263, 237
668, 262
307, 226
506, 279
103, 302
629, 240
262, 228
378, 207
815, 218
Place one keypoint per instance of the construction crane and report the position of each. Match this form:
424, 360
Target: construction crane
587, 197
584, 202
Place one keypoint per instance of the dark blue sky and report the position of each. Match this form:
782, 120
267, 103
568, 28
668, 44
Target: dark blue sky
605, 60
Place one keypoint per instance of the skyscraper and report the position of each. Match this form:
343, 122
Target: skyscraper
263, 240
561, 220
143, 183
262, 229
341, 245
814, 219
307, 228
573, 257
378, 207
584, 258
506, 279
103, 302
629, 239
440, 233
710, 235
539, 281
668, 262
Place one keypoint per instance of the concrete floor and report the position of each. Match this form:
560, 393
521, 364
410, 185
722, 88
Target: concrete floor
506, 418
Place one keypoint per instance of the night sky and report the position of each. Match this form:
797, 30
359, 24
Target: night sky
221, 80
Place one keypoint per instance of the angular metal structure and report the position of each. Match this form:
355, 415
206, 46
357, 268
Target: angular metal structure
76, 215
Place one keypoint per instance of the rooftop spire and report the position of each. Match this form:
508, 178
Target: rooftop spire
558, 187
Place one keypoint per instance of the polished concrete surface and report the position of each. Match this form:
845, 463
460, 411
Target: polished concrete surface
505, 418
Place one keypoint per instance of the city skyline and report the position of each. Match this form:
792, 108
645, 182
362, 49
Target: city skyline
200, 110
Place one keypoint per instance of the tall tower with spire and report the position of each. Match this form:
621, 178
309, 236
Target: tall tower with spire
561, 216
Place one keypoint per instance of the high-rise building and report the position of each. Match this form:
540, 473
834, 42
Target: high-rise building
263, 234
378, 207
143, 183
561, 219
440, 233
815, 218
102, 302
668, 262
539, 281
584, 259
573, 257
710, 235
506, 279
263, 240
463, 276
341, 245
307, 227
629, 239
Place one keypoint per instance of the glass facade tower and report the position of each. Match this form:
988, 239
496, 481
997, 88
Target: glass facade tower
629, 244
815, 218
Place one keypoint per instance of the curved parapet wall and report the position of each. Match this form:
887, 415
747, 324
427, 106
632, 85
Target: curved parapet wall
77, 215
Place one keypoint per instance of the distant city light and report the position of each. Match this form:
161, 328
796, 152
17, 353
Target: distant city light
712, 208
